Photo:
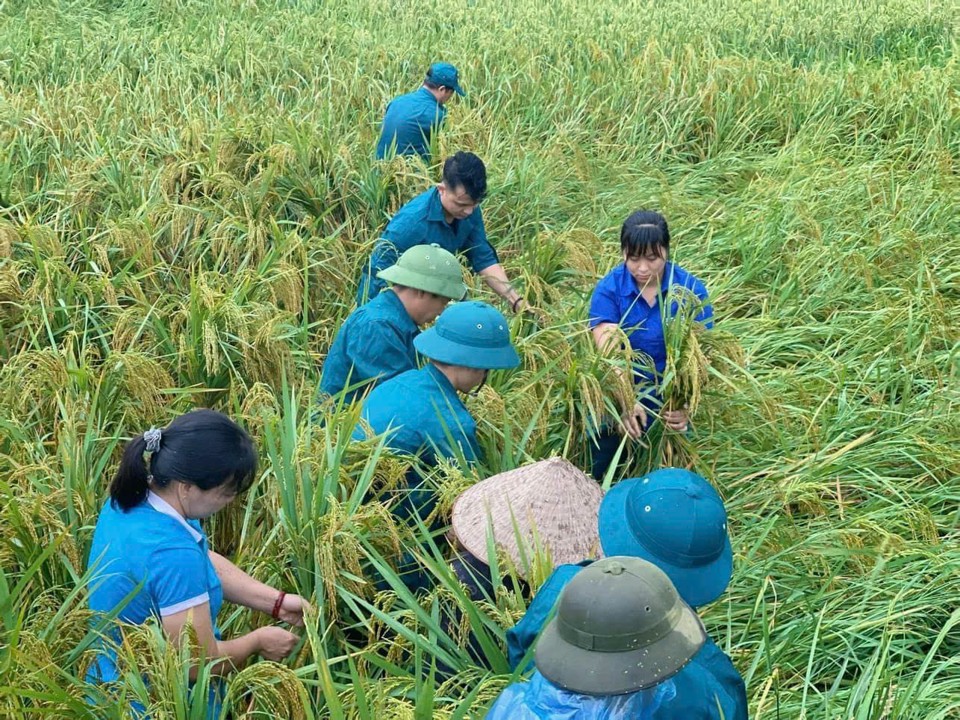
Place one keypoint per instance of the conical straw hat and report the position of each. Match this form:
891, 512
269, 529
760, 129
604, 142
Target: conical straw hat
548, 503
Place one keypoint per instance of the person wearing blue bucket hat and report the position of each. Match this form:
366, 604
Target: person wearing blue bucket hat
420, 411
676, 520
411, 120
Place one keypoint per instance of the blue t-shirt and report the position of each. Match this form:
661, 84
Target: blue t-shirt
616, 299
708, 678
374, 344
422, 222
153, 546
409, 122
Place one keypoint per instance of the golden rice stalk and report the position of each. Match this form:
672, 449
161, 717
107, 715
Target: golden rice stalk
267, 689
8, 238
340, 551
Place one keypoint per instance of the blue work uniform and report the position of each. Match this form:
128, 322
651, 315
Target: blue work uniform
409, 122
707, 679
374, 344
422, 415
422, 222
153, 546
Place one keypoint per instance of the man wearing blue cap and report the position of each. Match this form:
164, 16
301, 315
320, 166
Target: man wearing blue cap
375, 343
447, 215
411, 119
674, 519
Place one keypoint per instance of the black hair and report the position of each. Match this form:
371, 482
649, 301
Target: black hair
204, 448
430, 83
644, 231
466, 170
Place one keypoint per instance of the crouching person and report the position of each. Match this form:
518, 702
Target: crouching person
621, 632
421, 412
150, 556
375, 342
674, 519
547, 508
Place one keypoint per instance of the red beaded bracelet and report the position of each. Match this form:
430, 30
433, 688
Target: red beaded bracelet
277, 605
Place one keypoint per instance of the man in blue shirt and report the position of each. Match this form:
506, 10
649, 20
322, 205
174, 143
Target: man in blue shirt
676, 520
448, 215
411, 119
375, 343
421, 412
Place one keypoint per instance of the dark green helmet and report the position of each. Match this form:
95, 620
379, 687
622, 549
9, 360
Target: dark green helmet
620, 627
429, 268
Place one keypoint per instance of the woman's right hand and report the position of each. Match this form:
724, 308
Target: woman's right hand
275, 642
634, 420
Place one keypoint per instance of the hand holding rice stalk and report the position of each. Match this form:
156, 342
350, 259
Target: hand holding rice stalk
691, 349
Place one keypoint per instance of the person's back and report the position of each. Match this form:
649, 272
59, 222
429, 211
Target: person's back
409, 124
410, 120
423, 415
374, 344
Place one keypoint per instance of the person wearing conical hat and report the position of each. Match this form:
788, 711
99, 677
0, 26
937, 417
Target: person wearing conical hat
620, 634
420, 411
674, 519
375, 343
549, 507
411, 120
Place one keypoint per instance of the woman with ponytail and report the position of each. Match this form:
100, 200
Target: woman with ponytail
150, 556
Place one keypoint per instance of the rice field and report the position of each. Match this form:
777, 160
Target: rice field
188, 190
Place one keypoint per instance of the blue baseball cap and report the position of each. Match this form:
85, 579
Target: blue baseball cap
445, 74
676, 520
471, 334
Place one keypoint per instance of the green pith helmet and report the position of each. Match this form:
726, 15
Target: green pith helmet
471, 334
620, 627
429, 268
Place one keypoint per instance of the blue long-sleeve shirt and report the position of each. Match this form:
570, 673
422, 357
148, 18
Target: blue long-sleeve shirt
409, 124
422, 222
374, 344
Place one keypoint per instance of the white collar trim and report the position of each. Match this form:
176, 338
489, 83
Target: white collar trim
162, 506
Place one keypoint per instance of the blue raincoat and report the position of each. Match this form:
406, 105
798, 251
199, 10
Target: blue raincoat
540, 699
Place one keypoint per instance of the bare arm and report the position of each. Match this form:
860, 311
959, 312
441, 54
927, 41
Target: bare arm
242, 589
272, 642
496, 279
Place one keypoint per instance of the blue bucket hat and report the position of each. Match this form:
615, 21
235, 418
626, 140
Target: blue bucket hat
445, 74
676, 520
470, 334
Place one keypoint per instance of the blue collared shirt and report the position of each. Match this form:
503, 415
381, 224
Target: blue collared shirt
409, 123
421, 222
708, 678
616, 299
374, 344
153, 545
423, 415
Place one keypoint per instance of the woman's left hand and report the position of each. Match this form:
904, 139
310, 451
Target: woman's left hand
292, 609
676, 419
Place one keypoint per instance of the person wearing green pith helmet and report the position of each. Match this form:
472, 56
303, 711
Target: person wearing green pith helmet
375, 343
420, 411
620, 634
675, 519
411, 119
